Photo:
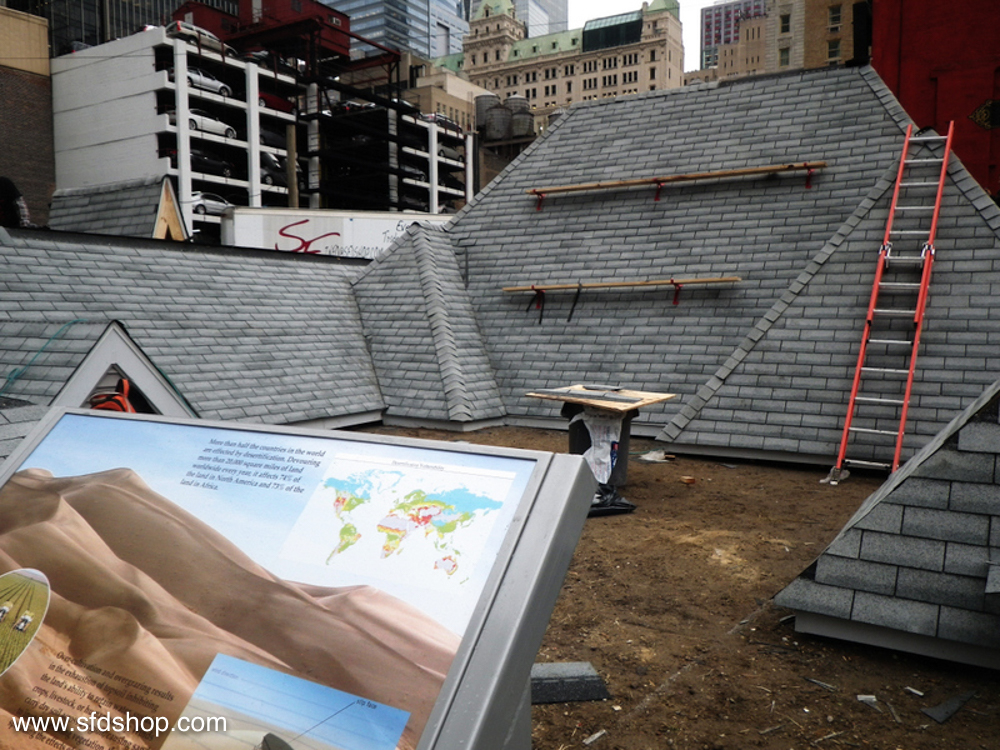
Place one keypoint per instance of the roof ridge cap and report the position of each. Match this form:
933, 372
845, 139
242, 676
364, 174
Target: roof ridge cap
449, 363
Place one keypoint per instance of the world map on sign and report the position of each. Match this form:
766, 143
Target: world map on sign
404, 526
434, 521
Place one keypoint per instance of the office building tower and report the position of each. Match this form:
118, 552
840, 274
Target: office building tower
720, 24
429, 28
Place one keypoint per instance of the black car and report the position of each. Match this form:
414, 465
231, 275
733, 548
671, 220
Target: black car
203, 161
272, 138
272, 170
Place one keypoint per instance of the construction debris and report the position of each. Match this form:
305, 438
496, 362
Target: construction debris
949, 708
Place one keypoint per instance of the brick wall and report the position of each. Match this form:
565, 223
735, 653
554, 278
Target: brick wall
26, 150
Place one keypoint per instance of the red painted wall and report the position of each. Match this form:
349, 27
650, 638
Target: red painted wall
941, 58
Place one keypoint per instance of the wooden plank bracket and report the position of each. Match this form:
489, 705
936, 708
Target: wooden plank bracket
809, 167
539, 290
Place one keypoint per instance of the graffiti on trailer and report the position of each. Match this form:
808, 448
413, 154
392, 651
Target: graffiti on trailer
305, 246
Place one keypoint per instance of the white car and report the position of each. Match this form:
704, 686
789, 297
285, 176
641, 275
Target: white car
209, 204
199, 119
202, 79
199, 36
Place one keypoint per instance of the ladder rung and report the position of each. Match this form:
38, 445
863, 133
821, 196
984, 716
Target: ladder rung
869, 431
895, 313
918, 184
921, 138
914, 208
891, 342
887, 370
923, 161
910, 231
916, 259
900, 285
873, 400
873, 464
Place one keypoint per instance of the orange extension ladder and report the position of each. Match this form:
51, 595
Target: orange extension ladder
876, 401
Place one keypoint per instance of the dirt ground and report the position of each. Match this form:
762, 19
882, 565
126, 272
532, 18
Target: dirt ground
671, 606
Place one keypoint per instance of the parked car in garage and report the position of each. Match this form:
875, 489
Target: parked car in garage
199, 36
199, 119
272, 138
209, 204
206, 162
202, 79
273, 101
272, 170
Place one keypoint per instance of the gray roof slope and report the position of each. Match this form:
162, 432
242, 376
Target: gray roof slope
422, 332
920, 556
38, 357
765, 230
125, 209
16, 421
245, 335
786, 386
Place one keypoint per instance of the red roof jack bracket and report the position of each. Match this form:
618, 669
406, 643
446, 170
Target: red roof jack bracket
538, 301
541, 197
677, 291
809, 178
659, 185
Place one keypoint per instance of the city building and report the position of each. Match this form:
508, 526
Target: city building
789, 35
26, 155
615, 56
720, 24
429, 28
540, 16
151, 104
74, 24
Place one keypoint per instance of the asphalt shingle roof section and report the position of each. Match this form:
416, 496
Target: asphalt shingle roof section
245, 335
761, 365
124, 209
918, 558
423, 334
38, 357
17, 419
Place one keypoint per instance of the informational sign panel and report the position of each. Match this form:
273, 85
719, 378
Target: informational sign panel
193, 586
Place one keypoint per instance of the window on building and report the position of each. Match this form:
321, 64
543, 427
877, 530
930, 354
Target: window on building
833, 50
473, 58
652, 74
652, 55
497, 54
835, 16
785, 23
784, 57
569, 87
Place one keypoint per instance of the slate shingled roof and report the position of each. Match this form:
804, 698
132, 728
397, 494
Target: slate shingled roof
38, 357
423, 334
763, 365
917, 568
124, 209
245, 335
17, 419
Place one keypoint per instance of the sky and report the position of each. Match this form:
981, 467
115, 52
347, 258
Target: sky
581, 11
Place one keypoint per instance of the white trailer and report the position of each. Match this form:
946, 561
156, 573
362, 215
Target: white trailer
350, 234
